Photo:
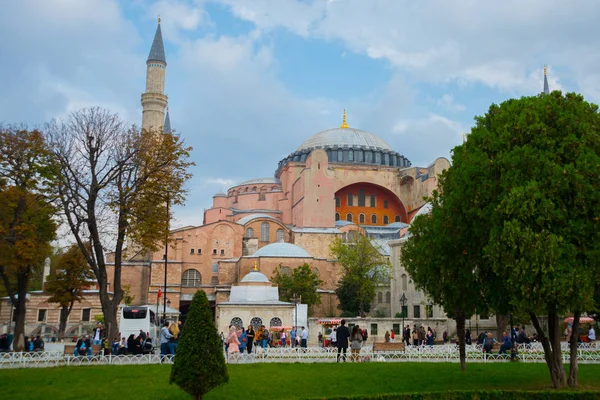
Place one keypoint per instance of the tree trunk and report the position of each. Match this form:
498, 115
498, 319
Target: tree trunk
460, 331
501, 323
573, 365
20, 311
64, 316
552, 351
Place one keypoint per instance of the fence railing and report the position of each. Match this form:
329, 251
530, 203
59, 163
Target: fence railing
586, 353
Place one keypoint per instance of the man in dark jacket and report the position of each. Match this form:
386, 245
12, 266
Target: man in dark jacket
342, 336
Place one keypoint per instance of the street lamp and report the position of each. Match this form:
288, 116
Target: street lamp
295, 299
166, 258
403, 303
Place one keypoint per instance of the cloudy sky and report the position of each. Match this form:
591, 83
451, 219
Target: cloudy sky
249, 80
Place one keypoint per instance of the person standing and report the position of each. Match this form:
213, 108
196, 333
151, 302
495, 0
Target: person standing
304, 338
165, 335
98, 334
592, 334
250, 335
355, 343
342, 336
333, 338
283, 337
392, 335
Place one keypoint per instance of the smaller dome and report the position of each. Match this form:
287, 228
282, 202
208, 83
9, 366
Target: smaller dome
220, 194
255, 277
282, 250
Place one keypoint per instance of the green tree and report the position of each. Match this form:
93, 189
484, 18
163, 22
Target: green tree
115, 186
302, 281
199, 364
364, 268
67, 283
27, 223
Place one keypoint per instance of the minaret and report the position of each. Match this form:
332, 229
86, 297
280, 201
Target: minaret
154, 99
546, 87
167, 125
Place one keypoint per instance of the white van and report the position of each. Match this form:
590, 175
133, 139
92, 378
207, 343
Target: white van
135, 318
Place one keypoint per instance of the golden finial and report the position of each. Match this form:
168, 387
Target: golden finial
544, 69
159, 19
344, 124
255, 266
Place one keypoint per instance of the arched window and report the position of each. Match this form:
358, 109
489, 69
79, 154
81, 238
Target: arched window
249, 233
388, 297
397, 218
361, 197
280, 235
404, 282
368, 157
215, 268
349, 217
350, 155
373, 219
360, 155
191, 278
386, 159
264, 232
340, 155
372, 200
385, 204
350, 199
386, 220
361, 218
379, 297
338, 201
256, 322
337, 216
286, 271
275, 321
237, 321
315, 271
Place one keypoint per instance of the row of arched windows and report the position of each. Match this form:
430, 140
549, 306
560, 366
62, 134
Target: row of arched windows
362, 219
264, 233
192, 278
256, 322
361, 200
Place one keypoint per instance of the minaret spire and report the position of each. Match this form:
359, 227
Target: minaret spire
154, 100
167, 125
546, 87
344, 124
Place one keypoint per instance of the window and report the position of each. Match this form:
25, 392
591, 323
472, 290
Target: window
417, 311
337, 216
373, 219
264, 232
286, 271
397, 218
349, 217
361, 198
249, 233
405, 311
199, 251
191, 278
214, 280
379, 297
386, 159
340, 155
361, 218
360, 155
396, 328
85, 314
42, 315
374, 329
386, 220
377, 158
338, 202
222, 252
404, 282
429, 311
280, 235
368, 157
388, 297
372, 200
385, 204
256, 322
275, 321
192, 251
350, 155
214, 252
215, 268
350, 199
237, 321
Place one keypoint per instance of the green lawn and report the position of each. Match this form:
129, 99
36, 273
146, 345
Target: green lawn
280, 381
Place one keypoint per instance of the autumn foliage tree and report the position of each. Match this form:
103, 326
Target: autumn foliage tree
67, 283
302, 281
115, 182
27, 223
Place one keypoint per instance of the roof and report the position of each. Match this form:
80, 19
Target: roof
315, 230
220, 194
349, 137
255, 276
425, 209
260, 180
251, 217
157, 51
167, 125
282, 250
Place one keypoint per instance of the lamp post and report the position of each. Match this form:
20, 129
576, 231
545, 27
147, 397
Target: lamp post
403, 303
166, 258
295, 299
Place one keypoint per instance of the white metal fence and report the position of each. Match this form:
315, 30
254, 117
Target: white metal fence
587, 354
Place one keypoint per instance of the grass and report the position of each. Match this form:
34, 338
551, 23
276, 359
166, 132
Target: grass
281, 381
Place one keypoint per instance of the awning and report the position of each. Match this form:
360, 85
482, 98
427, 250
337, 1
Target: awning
329, 321
279, 328
582, 320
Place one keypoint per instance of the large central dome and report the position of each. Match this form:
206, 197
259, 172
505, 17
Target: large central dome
349, 137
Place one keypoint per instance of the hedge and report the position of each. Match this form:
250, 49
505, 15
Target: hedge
483, 395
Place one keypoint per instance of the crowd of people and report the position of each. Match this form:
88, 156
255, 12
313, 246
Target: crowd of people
239, 340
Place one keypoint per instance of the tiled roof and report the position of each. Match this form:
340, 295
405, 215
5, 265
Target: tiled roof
157, 51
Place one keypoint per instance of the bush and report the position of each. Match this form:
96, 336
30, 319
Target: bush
483, 395
199, 364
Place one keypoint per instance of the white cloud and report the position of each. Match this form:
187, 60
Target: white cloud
447, 102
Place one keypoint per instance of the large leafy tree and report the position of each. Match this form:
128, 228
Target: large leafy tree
116, 182
364, 268
27, 223
199, 364
302, 281
67, 282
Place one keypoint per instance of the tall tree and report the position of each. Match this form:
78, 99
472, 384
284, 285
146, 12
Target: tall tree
114, 188
199, 364
364, 268
67, 283
26, 215
302, 281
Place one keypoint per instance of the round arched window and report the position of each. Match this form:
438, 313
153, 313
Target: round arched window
237, 321
256, 322
275, 321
